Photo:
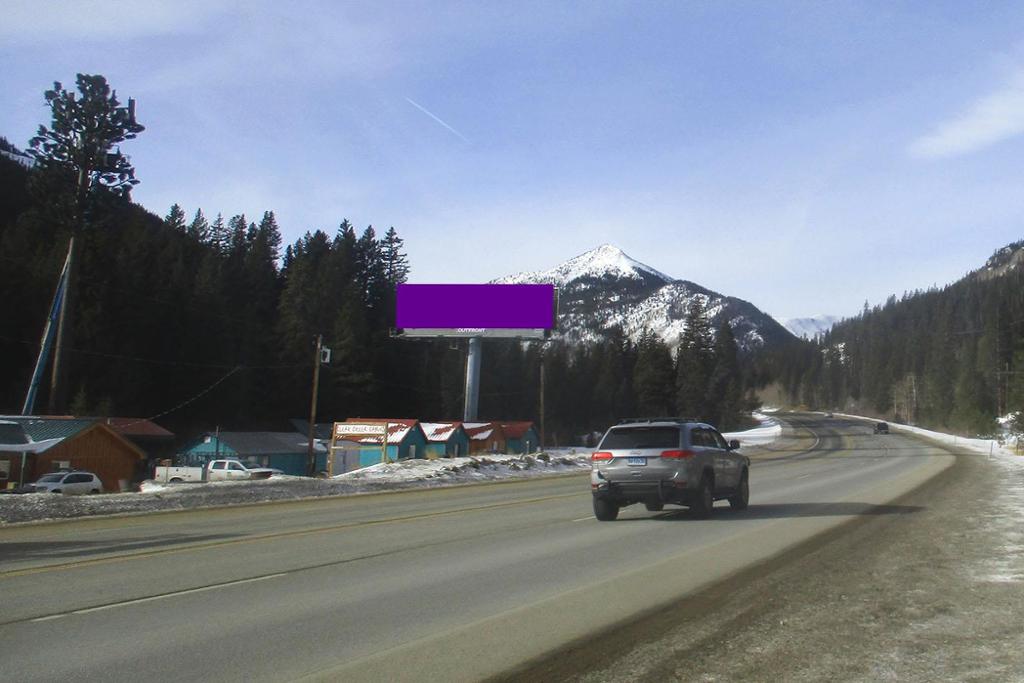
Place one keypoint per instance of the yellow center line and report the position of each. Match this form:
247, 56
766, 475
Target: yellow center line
271, 536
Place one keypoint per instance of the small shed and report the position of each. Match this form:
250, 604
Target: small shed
485, 437
286, 451
445, 439
521, 437
405, 440
89, 444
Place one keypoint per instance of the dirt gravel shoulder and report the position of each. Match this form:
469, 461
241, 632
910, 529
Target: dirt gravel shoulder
933, 592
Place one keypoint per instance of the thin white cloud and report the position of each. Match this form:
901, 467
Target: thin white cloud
424, 110
30, 22
990, 119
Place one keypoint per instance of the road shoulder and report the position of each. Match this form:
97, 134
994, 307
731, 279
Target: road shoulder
933, 595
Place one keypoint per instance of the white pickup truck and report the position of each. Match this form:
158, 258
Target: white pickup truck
215, 470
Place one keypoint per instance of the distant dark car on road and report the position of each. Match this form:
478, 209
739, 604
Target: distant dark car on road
881, 428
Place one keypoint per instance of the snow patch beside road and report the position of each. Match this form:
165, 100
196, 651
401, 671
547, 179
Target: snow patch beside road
1005, 563
770, 430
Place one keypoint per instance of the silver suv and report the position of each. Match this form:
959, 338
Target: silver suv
667, 460
68, 483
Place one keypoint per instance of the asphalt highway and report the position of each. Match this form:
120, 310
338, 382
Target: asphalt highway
461, 583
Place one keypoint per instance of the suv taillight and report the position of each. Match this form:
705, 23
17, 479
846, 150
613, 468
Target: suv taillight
676, 454
601, 455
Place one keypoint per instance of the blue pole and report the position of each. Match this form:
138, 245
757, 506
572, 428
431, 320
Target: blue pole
47, 342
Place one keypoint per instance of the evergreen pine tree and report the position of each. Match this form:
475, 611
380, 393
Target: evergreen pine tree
236, 235
268, 235
199, 228
175, 219
694, 362
724, 391
653, 377
220, 236
396, 265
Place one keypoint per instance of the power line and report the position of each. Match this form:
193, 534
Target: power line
158, 361
191, 400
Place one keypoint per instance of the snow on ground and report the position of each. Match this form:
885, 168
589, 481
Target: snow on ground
769, 431
1006, 450
469, 469
1006, 563
405, 474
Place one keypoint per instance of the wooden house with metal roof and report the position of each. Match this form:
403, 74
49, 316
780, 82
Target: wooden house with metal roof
521, 437
405, 439
445, 439
485, 437
56, 443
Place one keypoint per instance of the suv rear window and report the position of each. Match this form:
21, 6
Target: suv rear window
641, 437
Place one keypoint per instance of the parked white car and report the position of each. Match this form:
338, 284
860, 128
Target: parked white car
69, 483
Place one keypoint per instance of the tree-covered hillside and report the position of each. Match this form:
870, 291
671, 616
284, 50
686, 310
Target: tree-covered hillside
199, 321
945, 358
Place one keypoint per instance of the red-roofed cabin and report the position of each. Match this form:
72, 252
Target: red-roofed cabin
521, 437
445, 439
405, 439
485, 437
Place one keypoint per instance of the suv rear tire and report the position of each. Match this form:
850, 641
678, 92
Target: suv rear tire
605, 510
704, 500
742, 497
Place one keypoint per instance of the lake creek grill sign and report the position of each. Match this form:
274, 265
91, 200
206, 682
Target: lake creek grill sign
344, 429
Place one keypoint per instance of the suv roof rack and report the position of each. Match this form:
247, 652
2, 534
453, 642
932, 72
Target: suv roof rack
634, 420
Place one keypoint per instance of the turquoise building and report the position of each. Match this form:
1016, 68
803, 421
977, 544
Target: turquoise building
286, 451
445, 439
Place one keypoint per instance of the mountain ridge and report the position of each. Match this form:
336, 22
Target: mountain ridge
605, 288
810, 327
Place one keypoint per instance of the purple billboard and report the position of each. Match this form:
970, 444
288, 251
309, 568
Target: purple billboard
475, 307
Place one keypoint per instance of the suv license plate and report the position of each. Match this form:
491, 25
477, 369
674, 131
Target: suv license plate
636, 461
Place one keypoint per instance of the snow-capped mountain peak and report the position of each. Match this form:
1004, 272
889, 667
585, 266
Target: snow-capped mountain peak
605, 261
809, 328
604, 290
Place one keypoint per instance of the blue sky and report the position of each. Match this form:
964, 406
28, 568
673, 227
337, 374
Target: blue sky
803, 156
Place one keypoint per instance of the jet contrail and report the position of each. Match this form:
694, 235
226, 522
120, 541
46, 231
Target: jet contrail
424, 110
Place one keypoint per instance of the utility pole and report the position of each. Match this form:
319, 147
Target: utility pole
58, 376
310, 455
542, 397
56, 308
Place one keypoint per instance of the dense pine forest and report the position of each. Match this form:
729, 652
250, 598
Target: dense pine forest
949, 358
200, 320
204, 321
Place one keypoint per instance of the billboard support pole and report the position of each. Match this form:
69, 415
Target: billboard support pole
472, 400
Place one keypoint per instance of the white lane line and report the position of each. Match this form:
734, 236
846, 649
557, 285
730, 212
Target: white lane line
139, 601
582, 519
53, 616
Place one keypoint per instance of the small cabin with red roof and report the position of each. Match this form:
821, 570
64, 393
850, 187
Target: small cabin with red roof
405, 440
445, 439
521, 437
485, 437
